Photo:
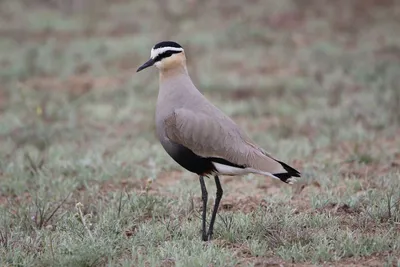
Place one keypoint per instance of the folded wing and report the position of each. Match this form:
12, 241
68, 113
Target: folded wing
221, 140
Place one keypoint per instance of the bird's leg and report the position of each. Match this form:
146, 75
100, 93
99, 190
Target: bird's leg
204, 197
220, 192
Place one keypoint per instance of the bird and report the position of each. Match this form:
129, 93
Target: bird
199, 136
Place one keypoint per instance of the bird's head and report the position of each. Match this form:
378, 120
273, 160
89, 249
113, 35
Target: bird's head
165, 55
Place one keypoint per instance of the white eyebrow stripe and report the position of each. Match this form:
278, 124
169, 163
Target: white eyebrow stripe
155, 52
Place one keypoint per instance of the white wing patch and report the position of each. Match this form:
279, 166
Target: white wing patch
155, 52
230, 170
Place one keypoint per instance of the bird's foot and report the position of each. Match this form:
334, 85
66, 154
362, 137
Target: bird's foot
204, 236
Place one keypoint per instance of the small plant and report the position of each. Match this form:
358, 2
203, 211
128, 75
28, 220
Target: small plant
82, 218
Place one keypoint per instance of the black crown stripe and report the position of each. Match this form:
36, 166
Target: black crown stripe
167, 44
166, 54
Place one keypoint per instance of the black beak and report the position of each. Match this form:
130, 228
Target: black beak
149, 63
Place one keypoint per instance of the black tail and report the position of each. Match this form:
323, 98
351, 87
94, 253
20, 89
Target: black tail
291, 172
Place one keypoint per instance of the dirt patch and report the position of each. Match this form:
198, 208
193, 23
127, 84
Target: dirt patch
377, 259
244, 204
342, 209
167, 263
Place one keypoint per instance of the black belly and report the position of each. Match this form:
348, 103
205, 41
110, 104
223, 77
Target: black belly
192, 162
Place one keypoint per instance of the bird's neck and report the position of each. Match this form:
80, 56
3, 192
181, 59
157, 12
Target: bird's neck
175, 89
169, 73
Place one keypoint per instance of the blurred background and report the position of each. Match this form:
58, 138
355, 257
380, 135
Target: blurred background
315, 82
